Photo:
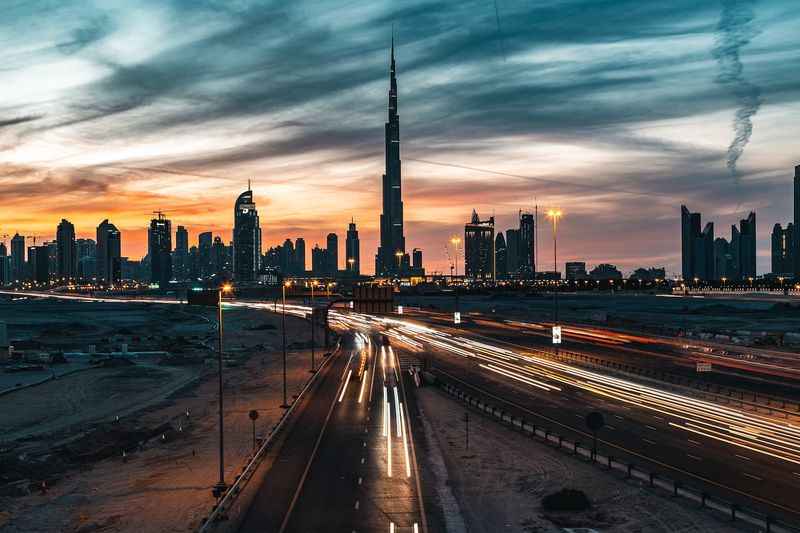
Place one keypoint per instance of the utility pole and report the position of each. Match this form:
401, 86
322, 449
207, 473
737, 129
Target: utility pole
283, 331
220, 487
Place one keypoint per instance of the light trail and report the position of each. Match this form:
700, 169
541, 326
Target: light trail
363, 385
397, 412
346, 382
405, 443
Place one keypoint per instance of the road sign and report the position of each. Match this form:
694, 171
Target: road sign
457, 317
703, 367
556, 334
399, 309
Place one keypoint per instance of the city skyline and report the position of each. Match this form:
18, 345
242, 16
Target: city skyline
112, 135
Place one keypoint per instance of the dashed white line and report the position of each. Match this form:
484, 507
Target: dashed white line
752, 476
356, 505
693, 457
648, 441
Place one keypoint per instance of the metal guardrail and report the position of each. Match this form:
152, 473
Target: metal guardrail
631, 471
226, 501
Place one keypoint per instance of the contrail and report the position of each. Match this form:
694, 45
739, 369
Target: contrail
735, 30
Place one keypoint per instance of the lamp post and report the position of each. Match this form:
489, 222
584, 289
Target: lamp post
399, 255
313, 323
455, 240
554, 215
351, 262
220, 487
283, 328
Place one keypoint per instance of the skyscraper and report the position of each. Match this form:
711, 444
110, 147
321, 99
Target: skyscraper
782, 249
87, 259
747, 246
332, 254
501, 256
18, 257
479, 252
527, 236
109, 252
796, 235
206, 265
697, 247
246, 238
180, 258
300, 256
159, 246
352, 250
5, 265
67, 263
513, 252
392, 239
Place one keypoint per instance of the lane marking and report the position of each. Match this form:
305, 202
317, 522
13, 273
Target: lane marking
651, 427
693, 457
743, 457
648, 441
363, 385
752, 476
346, 382
359, 480
356, 505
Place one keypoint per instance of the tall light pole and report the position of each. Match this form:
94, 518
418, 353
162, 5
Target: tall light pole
351, 262
283, 328
455, 240
313, 323
399, 255
554, 215
220, 487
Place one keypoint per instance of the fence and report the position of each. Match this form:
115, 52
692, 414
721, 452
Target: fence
219, 512
630, 470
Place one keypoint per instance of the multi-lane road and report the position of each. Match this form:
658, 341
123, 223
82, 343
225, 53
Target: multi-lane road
748, 458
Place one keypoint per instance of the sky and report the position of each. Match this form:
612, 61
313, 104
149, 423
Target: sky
615, 111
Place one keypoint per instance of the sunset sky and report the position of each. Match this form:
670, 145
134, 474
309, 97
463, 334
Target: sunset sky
617, 111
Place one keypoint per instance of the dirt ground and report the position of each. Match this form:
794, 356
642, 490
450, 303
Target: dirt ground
166, 484
497, 484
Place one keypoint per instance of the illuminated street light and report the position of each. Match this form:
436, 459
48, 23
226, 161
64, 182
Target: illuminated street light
221, 487
554, 215
283, 328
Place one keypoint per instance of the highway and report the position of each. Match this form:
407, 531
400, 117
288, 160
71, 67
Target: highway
750, 459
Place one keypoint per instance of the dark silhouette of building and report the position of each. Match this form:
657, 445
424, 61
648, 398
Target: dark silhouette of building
332, 254
5, 265
392, 239
319, 261
286, 259
87, 259
18, 257
66, 260
605, 272
109, 253
479, 252
246, 239
575, 270
726, 265
39, 260
527, 243
206, 265
159, 246
513, 251
500, 256
221, 258
300, 256
744, 244
796, 235
416, 264
352, 250
180, 257
697, 247
783, 250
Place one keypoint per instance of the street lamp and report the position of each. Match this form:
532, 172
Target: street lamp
455, 240
399, 255
554, 215
313, 323
220, 487
283, 328
352, 262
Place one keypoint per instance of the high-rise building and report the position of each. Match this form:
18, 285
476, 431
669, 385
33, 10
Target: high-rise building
5, 265
87, 259
109, 253
332, 249
797, 222
747, 246
479, 252
416, 264
697, 247
500, 256
300, 256
783, 250
286, 259
39, 260
392, 238
66, 255
726, 265
352, 250
575, 270
219, 257
180, 257
159, 246
246, 238
204, 243
18, 257
512, 245
527, 243
319, 261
